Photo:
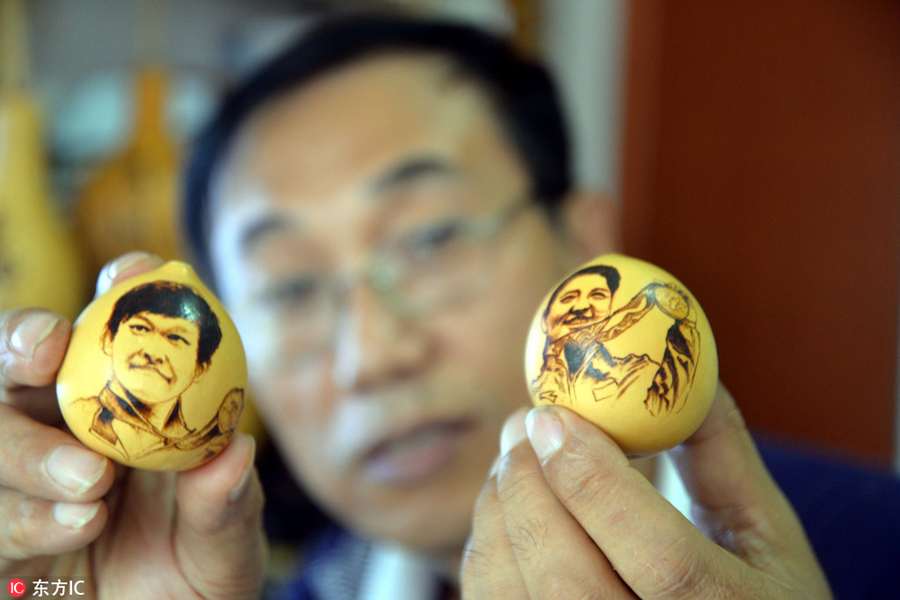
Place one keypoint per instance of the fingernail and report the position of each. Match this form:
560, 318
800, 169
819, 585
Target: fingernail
33, 330
495, 466
513, 433
74, 468
115, 268
75, 516
242, 485
545, 431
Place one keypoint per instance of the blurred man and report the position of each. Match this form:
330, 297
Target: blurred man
381, 209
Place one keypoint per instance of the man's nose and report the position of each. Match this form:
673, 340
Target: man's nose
374, 346
153, 349
583, 307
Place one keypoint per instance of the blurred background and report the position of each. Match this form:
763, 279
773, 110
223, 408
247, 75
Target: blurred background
754, 149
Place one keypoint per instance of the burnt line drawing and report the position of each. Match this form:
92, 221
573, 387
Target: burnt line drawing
160, 338
578, 321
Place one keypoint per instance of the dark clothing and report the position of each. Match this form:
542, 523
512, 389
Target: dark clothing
851, 516
111, 411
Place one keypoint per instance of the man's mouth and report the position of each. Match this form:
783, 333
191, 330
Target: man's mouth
137, 367
416, 453
576, 320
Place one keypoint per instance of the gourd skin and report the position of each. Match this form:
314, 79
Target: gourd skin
155, 375
628, 347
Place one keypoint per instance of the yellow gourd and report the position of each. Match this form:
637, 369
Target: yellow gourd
627, 346
39, 262
130, 203
155, 375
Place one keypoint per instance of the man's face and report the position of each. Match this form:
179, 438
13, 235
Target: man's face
583, 300
154, 357
394, 426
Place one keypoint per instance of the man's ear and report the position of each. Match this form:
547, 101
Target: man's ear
593, 223
199, 372
106, 341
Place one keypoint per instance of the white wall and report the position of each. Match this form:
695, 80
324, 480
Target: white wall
84, 54
585, 40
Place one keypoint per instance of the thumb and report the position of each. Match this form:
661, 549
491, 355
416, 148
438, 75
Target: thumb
736, 501
124, 267
219, 538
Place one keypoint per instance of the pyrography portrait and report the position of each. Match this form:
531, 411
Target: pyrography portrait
582, 322
160, 339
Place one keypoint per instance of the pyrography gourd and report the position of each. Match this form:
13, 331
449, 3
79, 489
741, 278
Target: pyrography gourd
627, 346
155, 373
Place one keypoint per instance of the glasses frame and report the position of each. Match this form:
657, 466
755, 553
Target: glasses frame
381, 274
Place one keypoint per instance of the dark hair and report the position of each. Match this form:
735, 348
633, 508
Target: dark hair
611, 274
171, 300
521, 89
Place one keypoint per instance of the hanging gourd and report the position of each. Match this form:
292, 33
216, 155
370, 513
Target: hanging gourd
130, 202
39, 262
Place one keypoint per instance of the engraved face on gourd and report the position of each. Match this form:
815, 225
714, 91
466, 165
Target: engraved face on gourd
624, 344
582, 299
155, 373
154, 356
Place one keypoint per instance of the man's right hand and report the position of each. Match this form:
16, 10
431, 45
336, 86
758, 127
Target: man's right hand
68, 513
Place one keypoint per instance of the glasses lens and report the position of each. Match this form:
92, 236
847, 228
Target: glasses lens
437, 271
300, 313
432, 268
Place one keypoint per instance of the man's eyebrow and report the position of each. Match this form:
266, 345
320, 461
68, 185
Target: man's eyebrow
251, 236
182, 332
178, 329
410, 170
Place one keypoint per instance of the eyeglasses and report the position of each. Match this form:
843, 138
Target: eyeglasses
431, 268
